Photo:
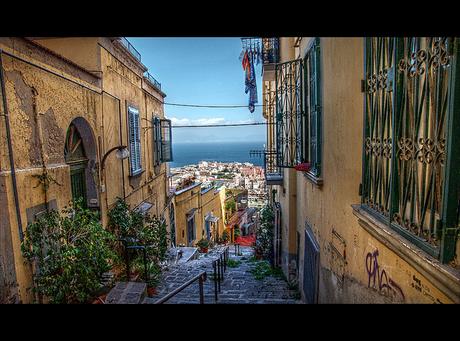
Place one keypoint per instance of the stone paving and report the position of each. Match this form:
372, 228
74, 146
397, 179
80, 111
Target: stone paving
239, 285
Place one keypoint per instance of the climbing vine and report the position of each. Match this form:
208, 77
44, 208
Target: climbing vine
45, 180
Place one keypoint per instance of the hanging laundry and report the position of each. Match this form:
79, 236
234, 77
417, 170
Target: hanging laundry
251, 85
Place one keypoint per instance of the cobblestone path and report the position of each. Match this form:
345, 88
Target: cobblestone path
239, 285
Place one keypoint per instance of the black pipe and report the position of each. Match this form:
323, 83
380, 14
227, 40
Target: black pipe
10, 149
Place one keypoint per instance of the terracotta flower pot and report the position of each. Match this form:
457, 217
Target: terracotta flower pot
151, 291
204, 250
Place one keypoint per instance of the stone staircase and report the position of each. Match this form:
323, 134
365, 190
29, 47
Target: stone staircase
239, 285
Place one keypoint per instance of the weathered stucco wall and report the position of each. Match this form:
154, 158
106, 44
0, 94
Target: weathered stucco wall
41, 106
45, 93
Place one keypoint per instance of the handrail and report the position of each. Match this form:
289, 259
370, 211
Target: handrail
201, 277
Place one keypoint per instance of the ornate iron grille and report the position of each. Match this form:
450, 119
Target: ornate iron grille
378, 123
270, 50
289, 113
406, 131
421, 135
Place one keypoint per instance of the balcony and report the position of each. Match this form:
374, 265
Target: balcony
270, 49
152, 80
128, 46
273, 173
271, 56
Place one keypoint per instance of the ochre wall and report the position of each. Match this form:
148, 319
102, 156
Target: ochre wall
38, 131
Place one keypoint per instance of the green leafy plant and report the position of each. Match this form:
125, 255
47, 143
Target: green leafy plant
261, 270
225, 236
231, 263
203, 243
264, 233
69, 252
143, 230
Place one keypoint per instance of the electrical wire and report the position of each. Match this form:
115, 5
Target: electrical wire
211, 106
222, 125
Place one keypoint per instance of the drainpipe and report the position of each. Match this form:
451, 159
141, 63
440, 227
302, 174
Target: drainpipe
10, 148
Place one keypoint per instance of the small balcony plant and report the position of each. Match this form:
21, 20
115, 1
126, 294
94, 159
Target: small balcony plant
203, 244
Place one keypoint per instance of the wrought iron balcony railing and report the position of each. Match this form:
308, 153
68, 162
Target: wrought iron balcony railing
152, 80
130, 48
270, 50
273, 173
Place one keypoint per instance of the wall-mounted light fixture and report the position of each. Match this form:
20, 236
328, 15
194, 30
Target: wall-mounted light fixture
121, 154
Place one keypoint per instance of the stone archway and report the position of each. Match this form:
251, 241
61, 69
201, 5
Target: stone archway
81, 155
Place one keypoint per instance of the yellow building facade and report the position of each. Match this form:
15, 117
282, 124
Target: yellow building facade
66, 102
198, 214
333, 236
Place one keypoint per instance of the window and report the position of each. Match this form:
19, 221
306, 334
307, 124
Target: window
410, 151
298, 112
134, 141
289, 113
162, 140
312, 102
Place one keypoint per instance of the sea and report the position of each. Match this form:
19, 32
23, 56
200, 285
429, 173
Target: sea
192, 153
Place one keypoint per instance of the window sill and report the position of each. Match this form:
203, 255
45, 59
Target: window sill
318, 182
444, 277
136, 174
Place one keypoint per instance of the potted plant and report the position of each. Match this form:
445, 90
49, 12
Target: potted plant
225, 237
203, 244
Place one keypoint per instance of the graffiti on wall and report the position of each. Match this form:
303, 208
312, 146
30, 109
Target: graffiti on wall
378, 278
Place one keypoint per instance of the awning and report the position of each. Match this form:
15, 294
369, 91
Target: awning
212, 219
144, 207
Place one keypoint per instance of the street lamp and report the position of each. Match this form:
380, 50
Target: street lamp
121, 154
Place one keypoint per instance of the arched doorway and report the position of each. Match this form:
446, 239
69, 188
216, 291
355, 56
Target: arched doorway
80, 154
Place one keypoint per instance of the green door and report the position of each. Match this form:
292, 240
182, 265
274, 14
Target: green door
78, 183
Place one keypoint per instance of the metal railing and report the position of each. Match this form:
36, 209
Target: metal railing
128, 247
219, 266
201, 278
130, 48
270, 50
152, 80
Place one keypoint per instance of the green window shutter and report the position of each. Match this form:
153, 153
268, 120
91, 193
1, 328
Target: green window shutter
134, 141
157, 140
313, 103
166, 140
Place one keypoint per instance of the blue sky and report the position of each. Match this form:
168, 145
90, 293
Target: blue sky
205, 71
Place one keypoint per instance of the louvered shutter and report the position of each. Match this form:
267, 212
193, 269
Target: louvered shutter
134, 140
166, 141
156, 141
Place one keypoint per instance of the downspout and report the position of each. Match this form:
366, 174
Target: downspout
10, 149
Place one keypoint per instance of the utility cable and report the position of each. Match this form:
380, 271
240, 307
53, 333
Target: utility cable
222, 125
212, 106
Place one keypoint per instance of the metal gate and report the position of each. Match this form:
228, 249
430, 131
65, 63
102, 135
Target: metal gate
311, 267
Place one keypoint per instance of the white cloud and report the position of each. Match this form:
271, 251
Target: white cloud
204, 121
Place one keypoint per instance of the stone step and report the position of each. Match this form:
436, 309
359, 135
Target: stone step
127, 293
